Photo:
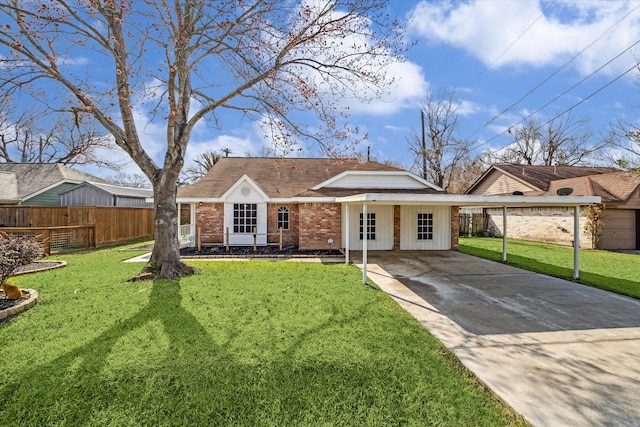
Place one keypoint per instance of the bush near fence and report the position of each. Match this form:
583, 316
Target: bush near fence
110, 225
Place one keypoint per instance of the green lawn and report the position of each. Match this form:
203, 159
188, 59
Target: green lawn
612, 271
239, 343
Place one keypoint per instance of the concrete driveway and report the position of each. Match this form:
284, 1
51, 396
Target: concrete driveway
559, 353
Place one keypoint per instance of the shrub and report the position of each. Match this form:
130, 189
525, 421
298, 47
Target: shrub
16, 252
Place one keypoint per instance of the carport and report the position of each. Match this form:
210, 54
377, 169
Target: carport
365, 200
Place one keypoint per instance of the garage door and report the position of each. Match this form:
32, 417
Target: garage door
619, 229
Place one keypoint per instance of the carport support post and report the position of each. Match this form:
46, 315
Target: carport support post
365, 238
504, 234
576, 243
346, 233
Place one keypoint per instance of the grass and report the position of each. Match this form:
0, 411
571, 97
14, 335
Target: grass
612, 271
239, 343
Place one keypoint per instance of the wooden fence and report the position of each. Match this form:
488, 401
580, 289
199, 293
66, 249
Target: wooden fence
472, 224
111, 225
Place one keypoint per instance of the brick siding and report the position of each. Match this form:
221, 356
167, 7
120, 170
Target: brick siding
210, 220
553, 225
319, 222
455, 227
290, 236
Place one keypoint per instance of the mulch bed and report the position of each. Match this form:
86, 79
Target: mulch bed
264, 251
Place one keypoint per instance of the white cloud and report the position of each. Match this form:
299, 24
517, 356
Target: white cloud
409, 87
486, 29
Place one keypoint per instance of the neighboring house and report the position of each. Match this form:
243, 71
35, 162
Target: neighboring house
314, 200
39, 184
99, 194
618, 227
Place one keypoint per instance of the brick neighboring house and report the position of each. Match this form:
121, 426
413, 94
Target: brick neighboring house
619, 227
307, 198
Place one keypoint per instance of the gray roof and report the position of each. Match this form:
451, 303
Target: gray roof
34, 177
116, 190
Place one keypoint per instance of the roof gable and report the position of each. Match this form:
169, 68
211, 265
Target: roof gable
616, 187
392, 180
536, 178
115, 190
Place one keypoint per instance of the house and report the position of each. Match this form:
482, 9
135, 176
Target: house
617, 227
99, 194
359, 206
38, 184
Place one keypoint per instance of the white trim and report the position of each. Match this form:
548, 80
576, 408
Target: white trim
469, 200
377, 173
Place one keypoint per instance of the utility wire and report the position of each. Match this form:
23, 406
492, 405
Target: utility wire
592, 94
554, 73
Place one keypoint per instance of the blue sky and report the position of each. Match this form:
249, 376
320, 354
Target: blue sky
491, 53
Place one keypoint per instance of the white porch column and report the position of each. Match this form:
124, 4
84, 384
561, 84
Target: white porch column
504, 234
576, 243
346, 230
365, 238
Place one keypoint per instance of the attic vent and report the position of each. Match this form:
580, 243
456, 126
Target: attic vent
517, 193
245, 191
564, 191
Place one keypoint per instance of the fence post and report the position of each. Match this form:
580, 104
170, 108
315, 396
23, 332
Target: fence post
86, 237
46, 241
254, 238
280, 239
227, 241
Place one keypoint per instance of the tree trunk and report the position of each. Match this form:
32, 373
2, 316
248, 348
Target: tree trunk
165, 258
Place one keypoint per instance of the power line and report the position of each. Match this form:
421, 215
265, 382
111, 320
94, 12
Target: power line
592, 94
558, 70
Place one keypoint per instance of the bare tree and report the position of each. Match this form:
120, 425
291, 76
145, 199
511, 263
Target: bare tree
26, 137
130, 180
437, 151
562, 141
266, 60
199, 167
623, 150
465, 174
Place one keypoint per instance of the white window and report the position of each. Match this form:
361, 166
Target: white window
283, 218
425, 226
371, 223
245, 217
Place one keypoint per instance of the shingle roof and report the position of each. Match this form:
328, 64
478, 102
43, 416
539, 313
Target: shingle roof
277, 177
611, 187
33, 177
542, 176
117, 190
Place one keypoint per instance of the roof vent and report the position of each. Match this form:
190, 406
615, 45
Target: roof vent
565, 191
517, 193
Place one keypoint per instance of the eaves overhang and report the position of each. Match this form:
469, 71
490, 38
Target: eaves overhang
468, 200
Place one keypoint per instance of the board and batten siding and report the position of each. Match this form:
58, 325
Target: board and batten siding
384, 227
246, 193
376, 181
441, 228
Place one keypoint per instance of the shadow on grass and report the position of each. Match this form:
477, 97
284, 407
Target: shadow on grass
620, 286
72, 388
